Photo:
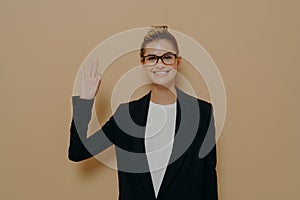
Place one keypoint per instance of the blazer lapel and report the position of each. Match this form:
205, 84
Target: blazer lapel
174, 162
180, 141
140, 115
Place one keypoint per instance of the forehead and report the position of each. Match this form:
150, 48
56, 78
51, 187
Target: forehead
159, 47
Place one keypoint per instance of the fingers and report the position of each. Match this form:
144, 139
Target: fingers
92, 70
95, 71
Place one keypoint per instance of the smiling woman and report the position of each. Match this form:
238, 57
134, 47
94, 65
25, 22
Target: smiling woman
161, 63
166, 115
160, 45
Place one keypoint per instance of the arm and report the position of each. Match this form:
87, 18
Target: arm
83, 147
210, 176
208, 151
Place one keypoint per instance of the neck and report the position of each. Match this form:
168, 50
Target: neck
163, 95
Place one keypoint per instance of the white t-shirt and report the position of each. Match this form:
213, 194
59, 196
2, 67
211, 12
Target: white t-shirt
159, 138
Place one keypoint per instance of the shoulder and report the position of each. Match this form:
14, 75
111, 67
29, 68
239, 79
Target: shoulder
135, 105
204, 105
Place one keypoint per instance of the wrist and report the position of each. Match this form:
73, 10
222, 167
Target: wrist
86, 97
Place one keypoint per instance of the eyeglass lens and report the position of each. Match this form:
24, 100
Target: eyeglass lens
167, 59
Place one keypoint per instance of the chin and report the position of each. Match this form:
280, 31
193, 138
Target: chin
163, 83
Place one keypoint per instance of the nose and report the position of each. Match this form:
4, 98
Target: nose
160, 64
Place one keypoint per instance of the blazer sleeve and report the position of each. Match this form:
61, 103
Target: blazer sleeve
210, 177
82, 147
210, 174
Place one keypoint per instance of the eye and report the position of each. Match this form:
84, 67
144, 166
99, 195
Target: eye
167, 57
151, 58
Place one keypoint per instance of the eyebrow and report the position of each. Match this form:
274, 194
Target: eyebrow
160, 55
151, 55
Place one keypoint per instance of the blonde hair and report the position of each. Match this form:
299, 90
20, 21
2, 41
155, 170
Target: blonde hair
158, 33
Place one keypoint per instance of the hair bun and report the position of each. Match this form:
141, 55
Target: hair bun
158, 33
160, 27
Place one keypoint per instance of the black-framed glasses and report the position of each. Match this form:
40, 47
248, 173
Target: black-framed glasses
167, 58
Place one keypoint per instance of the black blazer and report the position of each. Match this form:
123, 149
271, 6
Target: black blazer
191, 172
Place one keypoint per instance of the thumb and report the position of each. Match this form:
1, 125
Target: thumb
98, 76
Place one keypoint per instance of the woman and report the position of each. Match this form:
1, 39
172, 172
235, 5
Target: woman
158, 137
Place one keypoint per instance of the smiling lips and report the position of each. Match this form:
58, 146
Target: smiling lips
160, 72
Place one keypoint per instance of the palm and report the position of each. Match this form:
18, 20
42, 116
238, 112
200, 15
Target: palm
91, 80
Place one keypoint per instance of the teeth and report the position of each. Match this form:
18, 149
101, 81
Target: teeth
160, 72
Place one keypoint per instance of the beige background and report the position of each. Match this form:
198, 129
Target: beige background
254, 43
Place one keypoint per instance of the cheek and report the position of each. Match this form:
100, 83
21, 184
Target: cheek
148, 72
175, 68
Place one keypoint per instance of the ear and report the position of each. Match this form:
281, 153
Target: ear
179, 60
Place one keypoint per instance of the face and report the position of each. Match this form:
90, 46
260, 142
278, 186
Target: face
161, 73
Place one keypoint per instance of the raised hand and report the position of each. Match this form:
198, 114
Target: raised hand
91, 80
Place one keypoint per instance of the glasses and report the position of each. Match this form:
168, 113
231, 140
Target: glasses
167, 58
